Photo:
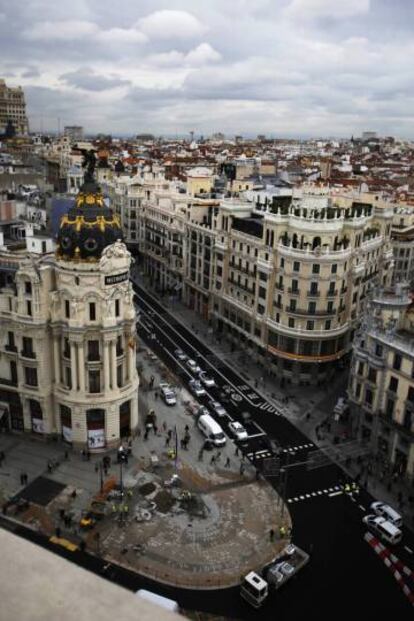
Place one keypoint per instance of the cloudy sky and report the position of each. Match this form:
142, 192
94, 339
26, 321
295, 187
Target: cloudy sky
281, 67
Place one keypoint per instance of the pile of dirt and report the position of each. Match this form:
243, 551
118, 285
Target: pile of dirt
147, 489
164, 501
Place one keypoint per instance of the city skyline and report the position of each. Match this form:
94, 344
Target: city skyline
292, 68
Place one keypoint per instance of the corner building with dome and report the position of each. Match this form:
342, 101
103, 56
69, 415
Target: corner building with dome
68, 360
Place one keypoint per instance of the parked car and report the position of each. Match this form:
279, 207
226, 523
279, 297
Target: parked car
285, 568
211, 430
196, 388
238, 431
387, 512
217, 408
384, 529
202, 410
193, 366
168, 394
206, 379
180, 355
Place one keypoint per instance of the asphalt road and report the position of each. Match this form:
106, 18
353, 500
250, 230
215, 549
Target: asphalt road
344, 574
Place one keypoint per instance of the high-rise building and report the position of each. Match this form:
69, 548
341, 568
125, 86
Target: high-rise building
13, 108
74, 132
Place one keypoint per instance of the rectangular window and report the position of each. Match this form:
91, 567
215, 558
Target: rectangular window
316, 268
94, 381
30, 376
292, 305
378, 350
10, 340
282, 262
331, 289
119, 378
369, 397
119, 348
329, 307
334, 268
68, 377
260, 309
28, 287
310, 325
29, 308
314, 287
262, 276
312, 307
372, 375
67, 309
13, 372
296, 266
93, 350
92, 311
393, 385
28, 347
295, 284
397, 362
117, 308
262, 292
328, 324
410, 394
358, 388
291, 322
360, 368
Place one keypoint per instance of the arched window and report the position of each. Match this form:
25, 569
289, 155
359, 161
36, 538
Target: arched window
316, 242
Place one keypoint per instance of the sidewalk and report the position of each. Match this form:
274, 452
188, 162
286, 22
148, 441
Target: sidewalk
308, 408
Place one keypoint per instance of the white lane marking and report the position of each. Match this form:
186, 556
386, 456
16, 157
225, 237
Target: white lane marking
335, 494
362, 508
408, 549
256, 435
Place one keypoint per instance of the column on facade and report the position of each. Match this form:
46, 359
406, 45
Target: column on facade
81, 366
106, 367
73, 365
130, 358
113, 364
56, 359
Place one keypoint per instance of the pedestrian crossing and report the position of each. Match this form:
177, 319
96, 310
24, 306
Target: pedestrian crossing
300, 447
328, 491
259, 454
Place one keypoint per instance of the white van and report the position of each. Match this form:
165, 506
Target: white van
160, 600
390, 514
384, 529
211, 430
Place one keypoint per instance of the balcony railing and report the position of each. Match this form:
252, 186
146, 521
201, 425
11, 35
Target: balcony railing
313, 294
294, 291
331, 293
11, 348
94, 357
28, 353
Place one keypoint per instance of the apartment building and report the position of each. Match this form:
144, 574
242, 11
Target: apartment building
291, 276
68, 338
381, 387
402, 233
13, 108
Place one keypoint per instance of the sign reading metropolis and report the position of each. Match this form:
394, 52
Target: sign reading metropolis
116, 278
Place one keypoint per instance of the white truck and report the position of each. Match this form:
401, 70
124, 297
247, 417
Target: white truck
256, 586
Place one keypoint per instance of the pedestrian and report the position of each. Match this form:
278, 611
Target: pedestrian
49, 466
218, 456
272, 534
242, 469
105, 471
146, 434
227, 464
212, 460
187, 429
155, 428
66, 455
156, 395
164, 426
88, 455
58, 532
167, 441
182, 442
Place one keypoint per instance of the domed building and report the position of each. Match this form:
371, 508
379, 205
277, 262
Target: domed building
72, 335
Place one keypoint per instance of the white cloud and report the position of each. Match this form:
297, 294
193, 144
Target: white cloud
171, 25
121, 35
314, 9
2, 17
63, 30
202, 55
